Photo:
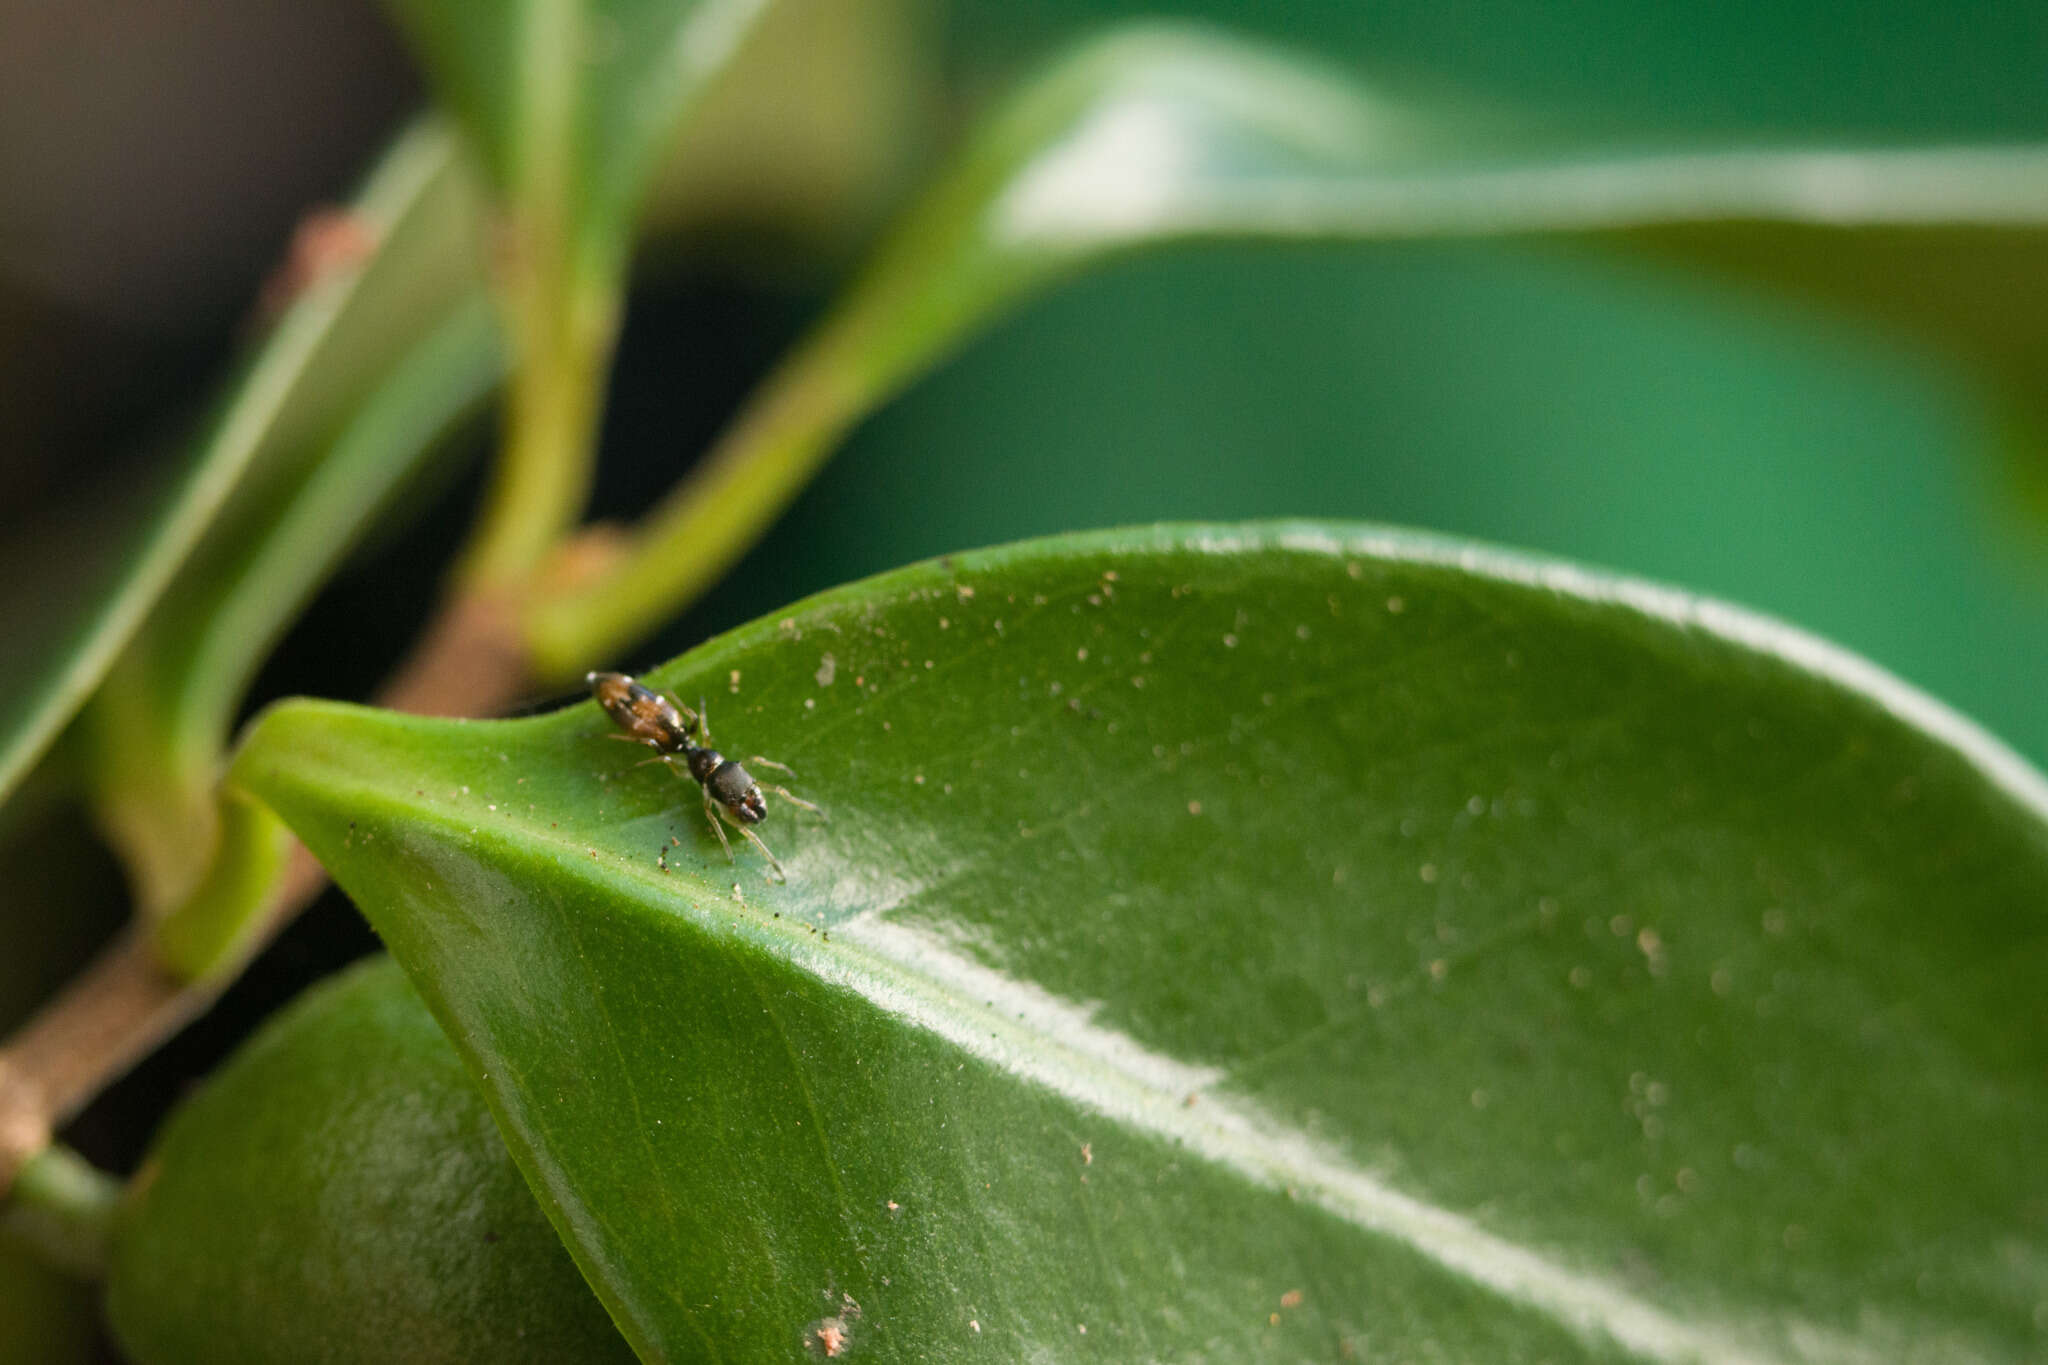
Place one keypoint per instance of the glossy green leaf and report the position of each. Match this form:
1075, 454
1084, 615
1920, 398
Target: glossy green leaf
1162, 134
334, 344
338, 1193
1247, 943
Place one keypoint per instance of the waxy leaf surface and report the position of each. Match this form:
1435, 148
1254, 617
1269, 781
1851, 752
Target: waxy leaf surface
1246, 943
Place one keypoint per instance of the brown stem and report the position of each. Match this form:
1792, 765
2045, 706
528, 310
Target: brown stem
468, 662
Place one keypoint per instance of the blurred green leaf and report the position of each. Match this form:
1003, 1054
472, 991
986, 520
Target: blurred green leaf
1587, 405
802, 142
1963, 69
159, 727
330, 349
1245, 941
337, 1193
201, 863
571, 104
1159, 134
46, 1317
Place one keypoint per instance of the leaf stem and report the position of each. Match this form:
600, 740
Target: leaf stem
705, 523
562, 330
62, 1208
561, 293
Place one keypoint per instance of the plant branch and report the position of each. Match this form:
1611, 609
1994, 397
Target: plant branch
126, 1004
105, 1021
563, 333
711, 518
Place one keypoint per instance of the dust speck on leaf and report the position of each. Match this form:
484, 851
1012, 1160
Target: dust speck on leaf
828, 669
828, 1338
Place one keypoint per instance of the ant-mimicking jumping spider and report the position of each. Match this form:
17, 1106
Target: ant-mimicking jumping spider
675, 732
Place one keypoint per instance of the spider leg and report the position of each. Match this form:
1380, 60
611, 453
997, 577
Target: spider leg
759, 762
780, 875
795, 800
693, 719
717, 827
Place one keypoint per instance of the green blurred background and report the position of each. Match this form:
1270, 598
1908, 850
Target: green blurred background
1612, 409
